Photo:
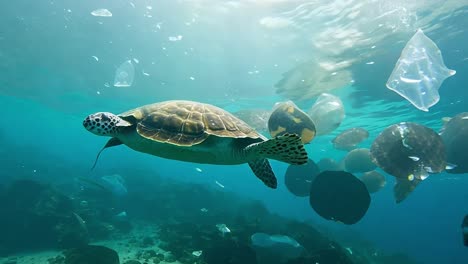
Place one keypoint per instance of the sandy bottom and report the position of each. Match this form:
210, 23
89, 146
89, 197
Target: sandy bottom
125, 247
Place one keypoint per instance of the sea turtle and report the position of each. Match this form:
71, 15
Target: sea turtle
196, 132
409, 150
455, 137
373, 180
350, 138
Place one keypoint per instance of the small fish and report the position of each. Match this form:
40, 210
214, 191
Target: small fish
199, 170
96, 58
197, 253
204, 210
414, 158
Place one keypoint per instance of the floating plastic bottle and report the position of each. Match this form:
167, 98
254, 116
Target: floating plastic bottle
124, 74
419, 72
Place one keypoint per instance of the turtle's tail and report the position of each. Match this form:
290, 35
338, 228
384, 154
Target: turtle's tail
287, 148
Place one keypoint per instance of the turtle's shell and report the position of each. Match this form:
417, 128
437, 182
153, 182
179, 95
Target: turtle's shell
455, 137
408, 148
186, 123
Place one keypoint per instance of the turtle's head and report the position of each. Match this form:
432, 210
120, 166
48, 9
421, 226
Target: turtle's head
104, 124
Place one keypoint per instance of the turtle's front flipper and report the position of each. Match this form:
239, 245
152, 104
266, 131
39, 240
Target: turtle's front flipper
262, 169
111, 143
286, 148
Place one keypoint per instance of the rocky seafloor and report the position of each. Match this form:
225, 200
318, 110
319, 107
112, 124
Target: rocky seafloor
163, 222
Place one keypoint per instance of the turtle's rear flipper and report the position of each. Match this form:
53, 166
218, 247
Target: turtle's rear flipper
262, 169
286, 148
111, 143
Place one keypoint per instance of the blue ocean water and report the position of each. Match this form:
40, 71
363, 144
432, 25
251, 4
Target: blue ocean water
58, 63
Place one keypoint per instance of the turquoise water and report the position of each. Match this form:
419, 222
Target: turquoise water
230, 54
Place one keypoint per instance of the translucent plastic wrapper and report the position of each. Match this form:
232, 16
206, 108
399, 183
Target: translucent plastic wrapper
256, 118
419, 72
327, 113
275, 248
101, 13
310, 79
124, 74
115, 183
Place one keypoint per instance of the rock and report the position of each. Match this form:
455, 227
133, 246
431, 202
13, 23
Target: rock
169, 258
325, 256
72, 232
228, 251
57, 260
29, 207
147, 254
132, 261
91, 255
271, 248
147, 242
10, 261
